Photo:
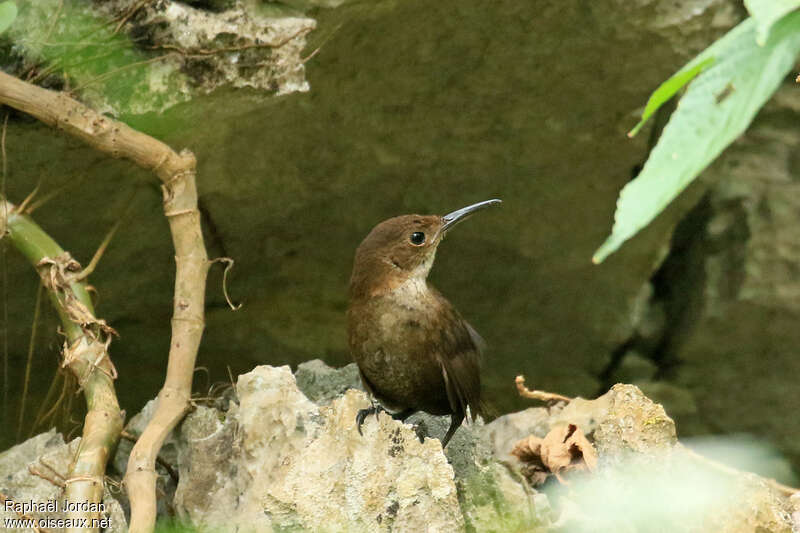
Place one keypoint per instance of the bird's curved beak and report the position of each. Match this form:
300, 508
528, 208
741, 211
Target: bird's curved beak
451, 219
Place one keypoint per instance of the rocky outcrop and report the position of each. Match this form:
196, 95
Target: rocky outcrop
264, 457
140, 57
275, 459
32, 476
721, 321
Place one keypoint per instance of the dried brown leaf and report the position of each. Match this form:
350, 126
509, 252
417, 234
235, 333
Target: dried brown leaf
567, 448
528, 449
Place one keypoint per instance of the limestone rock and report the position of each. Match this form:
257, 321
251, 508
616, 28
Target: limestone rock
322, 383
491, 497
644, 474
281, 461
688, 26
159, 54
632, 422
50, 455
736, 302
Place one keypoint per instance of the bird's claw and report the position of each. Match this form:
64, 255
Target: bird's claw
364, 413
421, 431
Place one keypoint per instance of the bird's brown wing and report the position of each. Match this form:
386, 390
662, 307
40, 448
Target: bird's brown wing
459, 350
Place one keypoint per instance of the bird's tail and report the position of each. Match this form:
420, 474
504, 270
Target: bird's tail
483, 409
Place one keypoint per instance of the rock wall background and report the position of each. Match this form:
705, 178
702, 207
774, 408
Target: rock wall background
421, 107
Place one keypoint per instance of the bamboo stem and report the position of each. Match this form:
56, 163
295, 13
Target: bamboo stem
177, 174
86, 355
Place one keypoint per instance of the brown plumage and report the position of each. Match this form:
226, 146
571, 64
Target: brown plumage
413, 349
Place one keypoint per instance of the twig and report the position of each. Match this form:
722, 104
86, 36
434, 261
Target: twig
87, 351
323, 43
29, 361
86, 272
525, 392
130, 13
47, 477
40, 416
4, 224
56, 16
228, 266
119, 69
8, 502
23, 206
177, 174
47, 196
200, 52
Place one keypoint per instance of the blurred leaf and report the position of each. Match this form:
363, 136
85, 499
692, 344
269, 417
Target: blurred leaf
717, 107
8, 12
103, 67
767, 13
668, 89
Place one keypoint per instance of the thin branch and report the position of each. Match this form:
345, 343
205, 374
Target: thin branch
85, 353
525, 392
22, 208
29, 362
9, 503
132, 11
47, 196
177, 174
47, 477
5, 270
200, 52
41, 414
86, 272
111, 73
228, 266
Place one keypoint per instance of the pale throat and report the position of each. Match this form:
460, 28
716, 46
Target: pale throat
413, 286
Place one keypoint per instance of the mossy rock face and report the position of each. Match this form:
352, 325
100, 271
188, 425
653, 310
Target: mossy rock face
414, 107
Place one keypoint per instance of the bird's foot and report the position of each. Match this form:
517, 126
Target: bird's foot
421, 429
362, 415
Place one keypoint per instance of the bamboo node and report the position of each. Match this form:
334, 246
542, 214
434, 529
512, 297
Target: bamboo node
58, 274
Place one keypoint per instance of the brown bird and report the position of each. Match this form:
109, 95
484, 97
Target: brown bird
413, 350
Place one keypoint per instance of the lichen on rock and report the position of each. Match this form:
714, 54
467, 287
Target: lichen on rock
125, 57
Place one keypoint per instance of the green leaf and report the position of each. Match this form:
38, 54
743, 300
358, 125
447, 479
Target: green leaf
667, 89
767, 13
8, 12
702, 61
717, 107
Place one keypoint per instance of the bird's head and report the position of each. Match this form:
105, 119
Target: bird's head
403, 248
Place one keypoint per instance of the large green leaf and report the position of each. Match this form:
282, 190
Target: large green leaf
694, 67
8, 12
668, 89
717, 107
767, 13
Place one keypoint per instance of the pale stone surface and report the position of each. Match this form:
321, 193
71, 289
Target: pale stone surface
322, 383
163, 53
736, 289
49, 454
291, 463
645, 476
629, 421
491, 497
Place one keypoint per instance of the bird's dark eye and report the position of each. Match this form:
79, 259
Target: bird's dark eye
417, 238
